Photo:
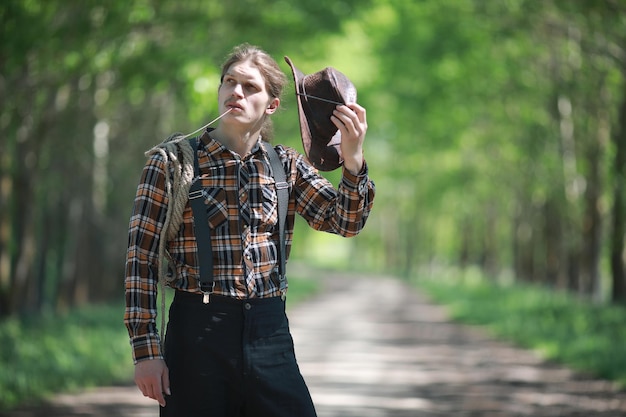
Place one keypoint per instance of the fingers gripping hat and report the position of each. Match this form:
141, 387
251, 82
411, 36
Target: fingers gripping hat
318, 95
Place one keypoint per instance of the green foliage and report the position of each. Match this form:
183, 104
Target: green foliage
558, 325
87, 347
52, 353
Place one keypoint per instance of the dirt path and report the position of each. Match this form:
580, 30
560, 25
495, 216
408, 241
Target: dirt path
376, 348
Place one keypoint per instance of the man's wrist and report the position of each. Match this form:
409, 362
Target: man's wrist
354, 165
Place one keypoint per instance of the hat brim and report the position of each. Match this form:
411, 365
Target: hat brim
323, 156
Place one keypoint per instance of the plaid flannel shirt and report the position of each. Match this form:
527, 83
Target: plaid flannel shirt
241, 201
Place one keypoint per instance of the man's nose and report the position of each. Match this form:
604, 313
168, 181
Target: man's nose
238, 90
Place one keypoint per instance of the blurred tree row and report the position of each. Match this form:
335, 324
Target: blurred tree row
496, 138
86, 88
509, 139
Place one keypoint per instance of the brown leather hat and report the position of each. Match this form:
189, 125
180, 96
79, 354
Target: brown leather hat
318, 95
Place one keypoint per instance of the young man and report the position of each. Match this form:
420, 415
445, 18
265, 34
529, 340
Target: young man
228, 350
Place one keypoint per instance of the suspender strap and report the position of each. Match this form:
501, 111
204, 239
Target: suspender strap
201, 227
282, 189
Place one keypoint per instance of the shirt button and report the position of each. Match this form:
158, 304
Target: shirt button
247, 306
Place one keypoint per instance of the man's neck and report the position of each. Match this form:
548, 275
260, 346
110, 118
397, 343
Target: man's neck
241, 143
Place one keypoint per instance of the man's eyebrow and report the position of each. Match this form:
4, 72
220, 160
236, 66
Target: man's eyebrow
243, 76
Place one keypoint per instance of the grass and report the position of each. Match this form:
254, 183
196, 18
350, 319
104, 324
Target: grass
44, 355
48, 354
587, 337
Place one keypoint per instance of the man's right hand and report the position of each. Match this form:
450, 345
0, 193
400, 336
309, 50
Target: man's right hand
152, 378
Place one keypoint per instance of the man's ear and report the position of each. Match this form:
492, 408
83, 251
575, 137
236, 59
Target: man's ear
272, 106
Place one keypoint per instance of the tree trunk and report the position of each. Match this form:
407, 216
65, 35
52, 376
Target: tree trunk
618, 252
553, 237
523, 253
592, 220
489, 250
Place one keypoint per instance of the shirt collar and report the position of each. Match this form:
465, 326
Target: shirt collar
212, 146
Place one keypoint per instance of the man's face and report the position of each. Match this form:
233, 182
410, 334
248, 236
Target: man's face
243, 91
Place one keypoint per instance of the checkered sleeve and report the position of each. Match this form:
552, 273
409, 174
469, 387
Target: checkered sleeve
141, 279
342, 210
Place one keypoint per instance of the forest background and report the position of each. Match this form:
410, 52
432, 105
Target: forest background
497, 132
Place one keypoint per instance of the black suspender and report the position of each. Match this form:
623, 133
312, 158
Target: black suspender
282, 189
202, 230
201, 227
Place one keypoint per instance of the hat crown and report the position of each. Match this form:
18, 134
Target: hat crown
318, 95
329, 84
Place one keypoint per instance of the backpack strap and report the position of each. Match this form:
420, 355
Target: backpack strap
282, 189
202, 230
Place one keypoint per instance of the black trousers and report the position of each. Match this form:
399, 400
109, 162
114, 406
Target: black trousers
232, 358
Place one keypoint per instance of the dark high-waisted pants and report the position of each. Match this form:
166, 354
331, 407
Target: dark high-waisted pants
232, 358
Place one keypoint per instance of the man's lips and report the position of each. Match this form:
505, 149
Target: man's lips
234, 106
